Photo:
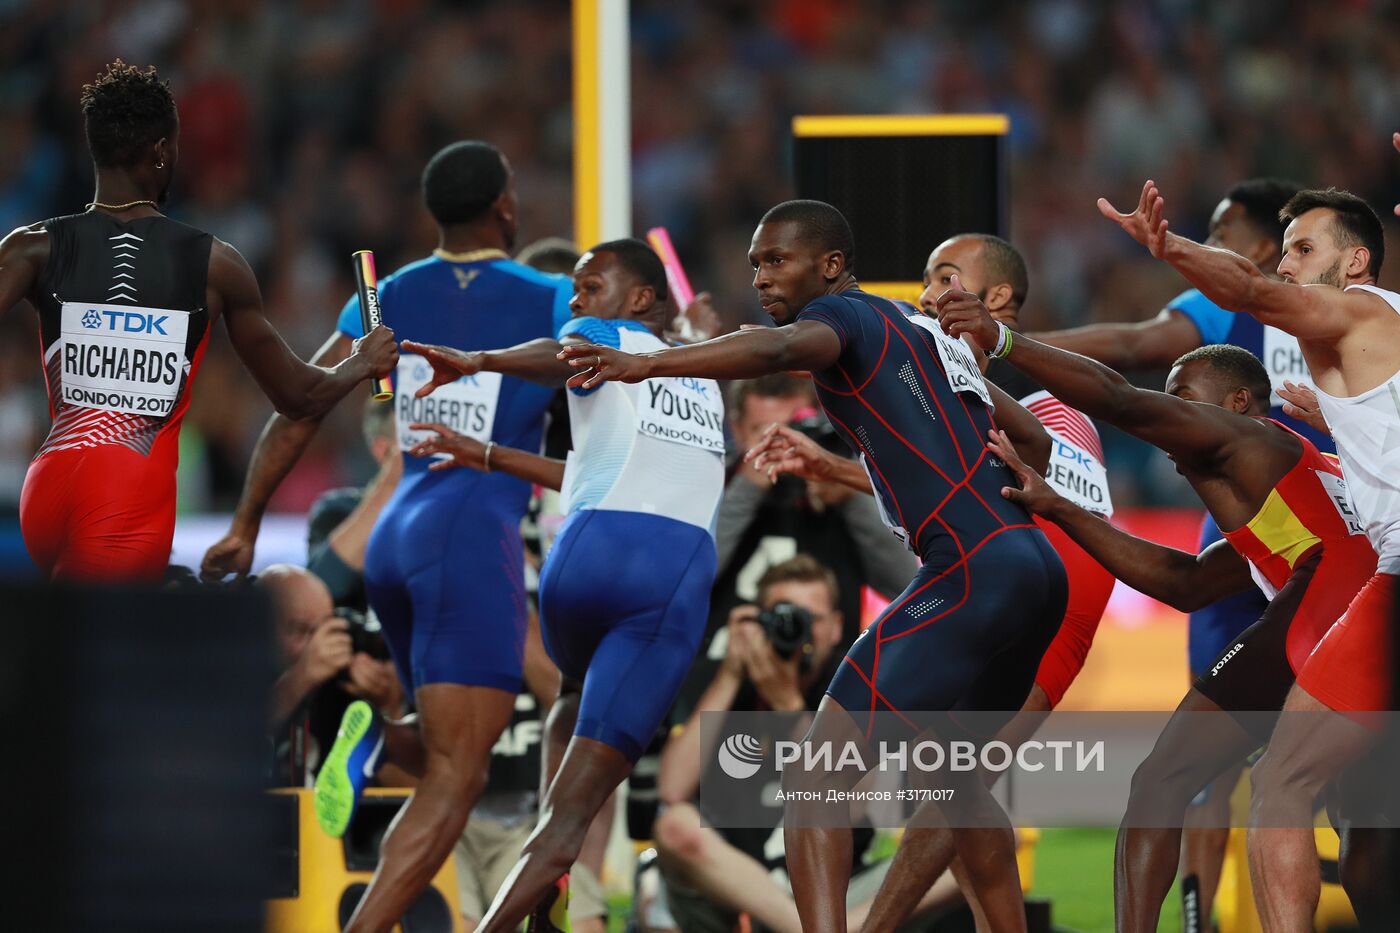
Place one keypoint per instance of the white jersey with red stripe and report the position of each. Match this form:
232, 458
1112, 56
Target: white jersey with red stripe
1076, 469
1367, 430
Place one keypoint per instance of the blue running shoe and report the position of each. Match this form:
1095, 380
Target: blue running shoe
348, 768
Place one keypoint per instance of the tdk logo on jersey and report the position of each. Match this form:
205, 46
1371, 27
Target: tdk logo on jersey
422, 371
696, 385
126, 322
1070, 453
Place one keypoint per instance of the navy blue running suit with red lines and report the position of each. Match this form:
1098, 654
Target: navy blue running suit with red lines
970, 630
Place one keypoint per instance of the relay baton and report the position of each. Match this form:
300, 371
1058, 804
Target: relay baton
660, 241
367, 284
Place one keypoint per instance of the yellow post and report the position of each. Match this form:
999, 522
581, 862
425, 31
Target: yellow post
602, 122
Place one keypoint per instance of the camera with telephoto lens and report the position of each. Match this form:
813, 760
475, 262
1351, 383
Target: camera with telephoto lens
366, 635
816, 427
788, 628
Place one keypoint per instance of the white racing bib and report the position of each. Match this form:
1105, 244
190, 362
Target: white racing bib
960, 366
1075, 474
1284, 360
683, 410
121, 358
467, 406
1336, 488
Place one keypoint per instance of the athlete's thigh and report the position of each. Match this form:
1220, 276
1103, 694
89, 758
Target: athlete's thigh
1338, 577
1032, 591
394, 609
470, 614
608, 566
1252, 671
954, 627
468, 628
1350, 669
99, 515
640, 663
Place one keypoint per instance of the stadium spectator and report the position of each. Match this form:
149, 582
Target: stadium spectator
320, 147
762, 522
323, 672
711, 876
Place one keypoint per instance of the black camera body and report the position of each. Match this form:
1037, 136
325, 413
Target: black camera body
365, 636
789, 629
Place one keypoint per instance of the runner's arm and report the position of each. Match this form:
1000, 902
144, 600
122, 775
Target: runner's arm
1309, 312
297, 389
1183, 581
471, 453
278, 449
1153, 344
744, 354
536, 360
1182, 428
1186, 582
23, 254
1024, 428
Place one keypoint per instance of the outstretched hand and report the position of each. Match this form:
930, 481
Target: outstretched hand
1145, 224
448, 364
1035, 493
961, 312
1300, 401
602, 364
1395, 141
783, 450
461, 451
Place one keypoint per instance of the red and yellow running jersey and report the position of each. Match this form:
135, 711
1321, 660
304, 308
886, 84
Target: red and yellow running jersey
1309, 507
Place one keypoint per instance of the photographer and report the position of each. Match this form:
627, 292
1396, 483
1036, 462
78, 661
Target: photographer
330, 660
762, 522
779, 655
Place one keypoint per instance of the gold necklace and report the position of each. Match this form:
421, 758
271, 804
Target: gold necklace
121, 207
476, 255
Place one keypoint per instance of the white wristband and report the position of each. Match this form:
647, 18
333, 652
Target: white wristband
1002, 331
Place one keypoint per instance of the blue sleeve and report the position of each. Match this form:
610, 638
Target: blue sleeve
835, 313
349, 322
594, 330
562, 296
1213, 321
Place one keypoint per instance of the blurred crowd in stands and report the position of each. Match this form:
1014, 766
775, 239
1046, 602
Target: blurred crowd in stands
305, 124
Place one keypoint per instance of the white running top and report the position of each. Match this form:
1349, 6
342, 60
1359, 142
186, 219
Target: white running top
1367, 430
656, 446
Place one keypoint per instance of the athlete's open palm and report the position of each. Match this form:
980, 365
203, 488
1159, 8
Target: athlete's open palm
602, 364
461, 451
448, 364
1145, 224
1035, 494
